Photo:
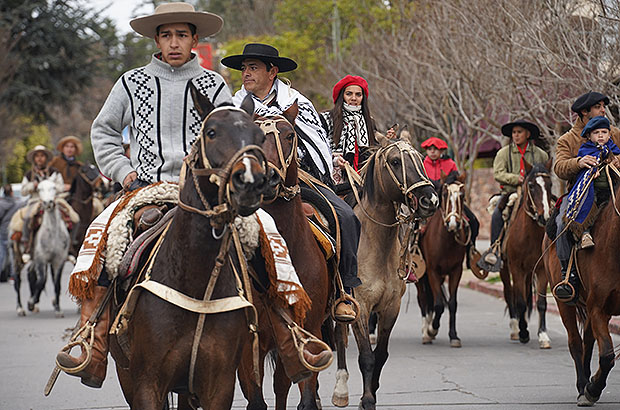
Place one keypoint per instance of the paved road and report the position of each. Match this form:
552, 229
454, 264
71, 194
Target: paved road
488, 372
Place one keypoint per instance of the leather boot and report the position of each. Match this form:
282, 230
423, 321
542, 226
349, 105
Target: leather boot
94, 374
294, 368
562, 290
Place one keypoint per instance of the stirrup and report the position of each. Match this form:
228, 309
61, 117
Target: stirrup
79, 340
344, 297
566, 300
301, 338
474, 258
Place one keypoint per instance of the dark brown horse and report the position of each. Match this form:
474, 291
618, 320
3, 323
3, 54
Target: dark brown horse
161, 335
443, 245
522, 252
81, 196
599, 300
393, 176
308, 259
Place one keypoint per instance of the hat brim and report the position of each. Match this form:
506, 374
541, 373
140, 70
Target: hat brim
207, 24
532, 128
284, 64
75, 140
48, 154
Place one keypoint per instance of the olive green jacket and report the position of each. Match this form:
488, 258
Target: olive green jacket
507, 162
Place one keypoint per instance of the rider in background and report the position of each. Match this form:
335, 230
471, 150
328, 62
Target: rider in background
260, 65
8, 206
509, 172
349, 125
436, 163
66, 162
589, 194
21, 225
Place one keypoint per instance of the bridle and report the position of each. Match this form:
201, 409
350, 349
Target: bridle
453, 189
530, 206
222, 213
270, 126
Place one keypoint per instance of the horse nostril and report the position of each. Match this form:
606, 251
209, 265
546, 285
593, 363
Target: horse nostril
425, 202
260, 181
237, 179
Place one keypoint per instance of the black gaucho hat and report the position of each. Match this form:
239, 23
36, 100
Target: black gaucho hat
262, 52
588, 100
533, 128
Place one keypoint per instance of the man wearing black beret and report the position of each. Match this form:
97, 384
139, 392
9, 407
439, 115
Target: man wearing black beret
567, 164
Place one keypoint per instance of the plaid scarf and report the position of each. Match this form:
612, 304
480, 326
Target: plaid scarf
581, 196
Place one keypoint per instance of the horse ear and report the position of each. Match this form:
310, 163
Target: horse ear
291, 113
406, 135
528, 166
247, 105
202, 103
549, 164
463, 177
381, 139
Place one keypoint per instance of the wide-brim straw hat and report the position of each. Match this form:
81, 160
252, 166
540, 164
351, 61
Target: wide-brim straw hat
73, 139
39, 148
533, 128
207, 24
262, 52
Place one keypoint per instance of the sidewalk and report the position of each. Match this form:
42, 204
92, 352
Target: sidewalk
497, 289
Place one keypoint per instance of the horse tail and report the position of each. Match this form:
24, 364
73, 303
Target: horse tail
529, 299
582, 316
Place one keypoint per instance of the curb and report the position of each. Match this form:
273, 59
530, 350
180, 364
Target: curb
497, 290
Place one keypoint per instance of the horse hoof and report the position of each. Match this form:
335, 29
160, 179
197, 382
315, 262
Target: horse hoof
340, 401
544, 344
455, 343
589, 396
319, 405
21, 311
432, 331
36, 308
582, 401
514, 336
524, 339
373, 339
60, 314
31, 306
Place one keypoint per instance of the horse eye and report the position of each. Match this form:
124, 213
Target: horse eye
290, 136
210, 133
395, 162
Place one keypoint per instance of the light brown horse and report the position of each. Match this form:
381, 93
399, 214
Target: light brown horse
393, 175
599, 300
443, 245
161, 335
308, 259
522, 252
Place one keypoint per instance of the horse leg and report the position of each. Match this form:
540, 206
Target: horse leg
522, 291
544, 342
147, 397
504, 275
309, 397
454, 280
252, 390
366, 359
37, 284
281, 385
436, 283
575, 345
57, 274
340, 397
387, 319
17, 284
600, 323
425, 301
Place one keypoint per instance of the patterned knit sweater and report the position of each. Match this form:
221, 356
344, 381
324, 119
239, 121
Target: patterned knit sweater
156, 103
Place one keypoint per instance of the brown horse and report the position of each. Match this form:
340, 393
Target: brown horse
308, 259
522, 252
599, 300
81, 195
163, 337
393, 176
443, 245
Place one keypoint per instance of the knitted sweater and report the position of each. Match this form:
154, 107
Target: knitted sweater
156, 103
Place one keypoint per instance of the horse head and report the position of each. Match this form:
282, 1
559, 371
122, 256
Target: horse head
280, 148
47, 193
452, 199
402, 178
228, 154
537, 197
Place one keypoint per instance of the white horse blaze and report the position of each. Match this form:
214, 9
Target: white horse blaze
545, 200
452, 222
247, 176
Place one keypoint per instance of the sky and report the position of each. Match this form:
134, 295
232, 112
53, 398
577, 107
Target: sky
121, 11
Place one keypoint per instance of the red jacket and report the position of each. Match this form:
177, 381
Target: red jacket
434, 168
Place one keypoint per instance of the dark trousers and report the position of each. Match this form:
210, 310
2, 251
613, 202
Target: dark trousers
497, 223
350, 228
474, 224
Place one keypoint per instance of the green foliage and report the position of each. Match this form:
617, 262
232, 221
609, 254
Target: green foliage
16, 162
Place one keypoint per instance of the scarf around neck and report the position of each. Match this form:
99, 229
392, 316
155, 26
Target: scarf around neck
354, 130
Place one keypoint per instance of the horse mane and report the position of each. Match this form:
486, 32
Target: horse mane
367, 171
539, 168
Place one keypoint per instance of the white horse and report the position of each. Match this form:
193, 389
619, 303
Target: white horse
51, 248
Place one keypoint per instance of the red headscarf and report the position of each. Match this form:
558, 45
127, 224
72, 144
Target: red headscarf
438, 143
349, 80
